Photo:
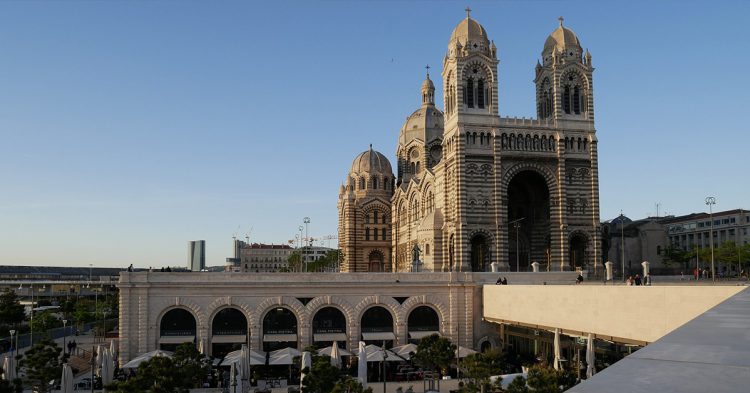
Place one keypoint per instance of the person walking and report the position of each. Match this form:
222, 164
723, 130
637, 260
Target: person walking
638, 280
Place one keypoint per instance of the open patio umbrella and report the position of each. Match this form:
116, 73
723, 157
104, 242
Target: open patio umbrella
146, 356
306, 363
590, 369
326, 351
283, 356
462, 352
256, 357
66, 380
557, 349
405, 350
362, 364
335, 357
375, 353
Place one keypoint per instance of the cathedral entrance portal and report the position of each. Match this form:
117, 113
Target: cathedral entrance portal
480, 253
577, 252
376, 261
528, 210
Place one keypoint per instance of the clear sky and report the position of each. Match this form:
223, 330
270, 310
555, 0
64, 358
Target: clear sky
129, 128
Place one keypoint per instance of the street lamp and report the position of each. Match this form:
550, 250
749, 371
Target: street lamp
306, 220
517, 225
65, 333
12, 346
710, 201
622, 244
385, 354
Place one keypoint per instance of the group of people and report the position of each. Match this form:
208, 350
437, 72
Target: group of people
501, 281
638, 281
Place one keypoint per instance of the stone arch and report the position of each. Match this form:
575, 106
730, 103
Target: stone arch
331, 301
541, 169
491, 340
579, 242
299, 310
376, 300
192, 312
194, 308
223, 302
426, 300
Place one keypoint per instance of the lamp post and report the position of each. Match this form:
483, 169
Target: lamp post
31, 314
710, 201
306, 220
65, 333
622, 244
385, 354
301, 259
12, 347
93, 366
517, 225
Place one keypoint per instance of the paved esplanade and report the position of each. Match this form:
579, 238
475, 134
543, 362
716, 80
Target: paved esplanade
711, 353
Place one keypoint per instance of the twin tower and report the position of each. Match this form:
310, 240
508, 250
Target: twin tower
473, 190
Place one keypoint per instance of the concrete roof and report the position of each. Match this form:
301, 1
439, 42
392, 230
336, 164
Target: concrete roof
711, 353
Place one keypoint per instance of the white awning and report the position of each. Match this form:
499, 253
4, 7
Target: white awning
420, 334
378, 336
233, 338
176, 339
330, 337
272, 338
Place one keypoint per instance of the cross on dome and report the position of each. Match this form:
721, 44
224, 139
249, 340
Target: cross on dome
561, 20
427, 67
468, 12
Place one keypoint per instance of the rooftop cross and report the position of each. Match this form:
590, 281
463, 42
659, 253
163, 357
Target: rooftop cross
468, 12
561, 20
427, 67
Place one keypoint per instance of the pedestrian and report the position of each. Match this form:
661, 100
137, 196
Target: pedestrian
579, 279
130, 268
682, 276
638, 279
629, 281
647, 279
505, 281
499, 281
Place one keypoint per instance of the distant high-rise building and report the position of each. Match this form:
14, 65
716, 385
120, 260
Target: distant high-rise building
197, 255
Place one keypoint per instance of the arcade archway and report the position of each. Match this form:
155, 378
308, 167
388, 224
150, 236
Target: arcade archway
279, 329
228, 331
377, 327
329, 325
423, 321
177, 326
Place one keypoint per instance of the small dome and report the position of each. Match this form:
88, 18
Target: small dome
561, 39
469, 30
371, 162
424, 118
427, 84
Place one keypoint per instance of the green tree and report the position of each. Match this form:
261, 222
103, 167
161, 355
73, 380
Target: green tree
11, 310
14, 386
518, 385
325, 262
295, 261
480, 366
184, 371
350, 385
321, 377
548, 380
44, 321
435, 352
41, 364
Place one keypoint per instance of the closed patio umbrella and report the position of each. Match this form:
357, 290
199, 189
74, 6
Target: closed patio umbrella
7, 369
362, 364
557, 349
66, 381
335, 357
590, 369
306, 363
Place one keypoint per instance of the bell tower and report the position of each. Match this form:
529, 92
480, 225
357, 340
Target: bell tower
564, 88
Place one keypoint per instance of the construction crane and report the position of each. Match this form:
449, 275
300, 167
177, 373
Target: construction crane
329, 238
247, 235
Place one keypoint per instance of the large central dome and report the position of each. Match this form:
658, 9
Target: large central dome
371, 162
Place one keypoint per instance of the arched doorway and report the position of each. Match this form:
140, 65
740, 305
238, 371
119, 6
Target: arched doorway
279, 329
423, 321
377, 327
177, 326
375, 261
228, 331
480, 253
529, 220
577, 250
329, 325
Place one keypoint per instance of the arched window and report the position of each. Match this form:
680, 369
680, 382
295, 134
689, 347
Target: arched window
375, 216
367, 233
470, 93
577, 100
367, 218
566, 99
375, 234
383, 233
427, 249
362, 183
374, 183
383, 218
480, 94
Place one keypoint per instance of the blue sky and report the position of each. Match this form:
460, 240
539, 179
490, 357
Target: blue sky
130, 128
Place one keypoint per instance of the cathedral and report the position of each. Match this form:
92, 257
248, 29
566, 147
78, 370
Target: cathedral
475, 191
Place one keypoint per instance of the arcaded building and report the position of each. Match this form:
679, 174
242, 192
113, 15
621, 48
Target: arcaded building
475, 188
